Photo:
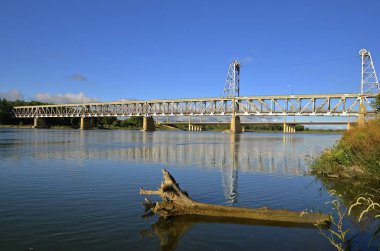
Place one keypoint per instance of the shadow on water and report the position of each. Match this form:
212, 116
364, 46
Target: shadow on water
348, 191
171, 230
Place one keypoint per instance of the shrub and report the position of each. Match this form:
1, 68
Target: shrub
358, 147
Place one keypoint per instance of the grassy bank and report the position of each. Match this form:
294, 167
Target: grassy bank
356, 154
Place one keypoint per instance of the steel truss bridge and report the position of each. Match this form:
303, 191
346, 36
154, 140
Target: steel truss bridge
231, 104
284, 105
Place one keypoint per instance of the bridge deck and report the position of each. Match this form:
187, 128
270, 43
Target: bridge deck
277, 105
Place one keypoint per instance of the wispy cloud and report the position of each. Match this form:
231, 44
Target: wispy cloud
246, 60
67, 98
78, 77
12, 95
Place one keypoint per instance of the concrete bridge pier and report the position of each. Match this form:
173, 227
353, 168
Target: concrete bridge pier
39, 123
235, 126
289, 128
148, 124
362, 112
195, 127
85, 123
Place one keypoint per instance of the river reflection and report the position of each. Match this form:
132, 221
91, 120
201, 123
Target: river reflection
268, 153
263, 153
170, 230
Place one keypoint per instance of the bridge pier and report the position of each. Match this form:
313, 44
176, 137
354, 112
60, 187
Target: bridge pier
362, 112
235, 126
39, 123
148, 124
289, 128
85, 123
195, 127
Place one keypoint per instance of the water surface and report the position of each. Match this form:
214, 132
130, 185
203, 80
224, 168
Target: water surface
79, 190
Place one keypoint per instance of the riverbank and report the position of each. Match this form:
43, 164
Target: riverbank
357, 154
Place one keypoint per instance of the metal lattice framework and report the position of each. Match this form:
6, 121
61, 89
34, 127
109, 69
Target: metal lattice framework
232, 85
369, 80
297, 105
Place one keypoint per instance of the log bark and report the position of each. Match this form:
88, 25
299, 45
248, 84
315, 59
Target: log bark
176, 202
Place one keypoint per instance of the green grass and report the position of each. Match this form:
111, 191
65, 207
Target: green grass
357, 152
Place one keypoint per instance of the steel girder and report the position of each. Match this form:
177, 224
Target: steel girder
298, 105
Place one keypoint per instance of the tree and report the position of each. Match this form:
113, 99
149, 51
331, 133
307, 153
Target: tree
6, 112
300, 128
376, 103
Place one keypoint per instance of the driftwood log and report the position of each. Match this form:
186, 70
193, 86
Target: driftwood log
176, 202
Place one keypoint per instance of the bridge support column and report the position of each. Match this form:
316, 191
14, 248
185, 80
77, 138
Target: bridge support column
348, 126
148, 124
85, 123
39, 123
235, 126
362, 112
194, 128
289, 128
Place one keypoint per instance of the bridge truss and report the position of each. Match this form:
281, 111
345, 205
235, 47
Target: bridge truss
231, 104
287, 105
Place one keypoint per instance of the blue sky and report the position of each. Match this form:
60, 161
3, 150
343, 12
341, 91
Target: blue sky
111, 50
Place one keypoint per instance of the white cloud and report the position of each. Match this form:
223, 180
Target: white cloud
67, 98
12, 95
246, 60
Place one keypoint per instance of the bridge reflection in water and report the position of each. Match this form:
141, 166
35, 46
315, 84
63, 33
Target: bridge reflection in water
269, 153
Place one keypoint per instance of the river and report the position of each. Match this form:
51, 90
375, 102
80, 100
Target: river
79, 190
